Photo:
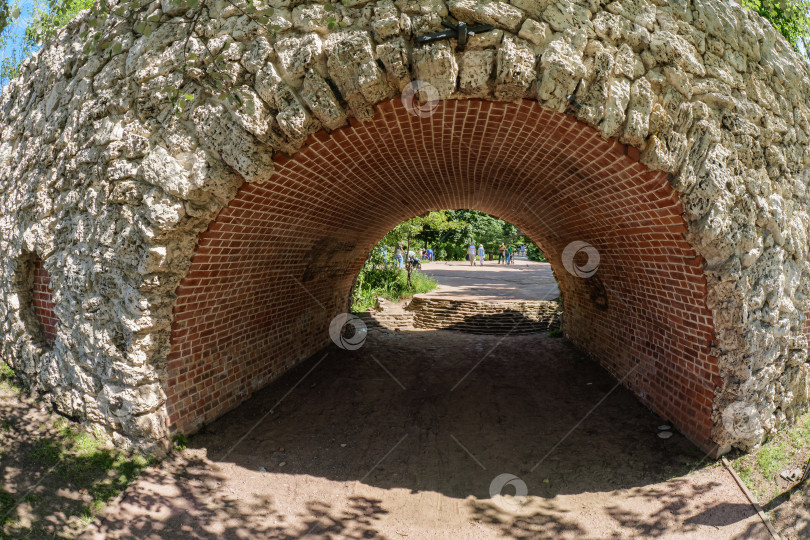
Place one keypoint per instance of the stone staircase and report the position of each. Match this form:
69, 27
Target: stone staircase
494, 317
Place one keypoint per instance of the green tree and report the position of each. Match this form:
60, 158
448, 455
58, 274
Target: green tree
407, 231
790, 17
47, 18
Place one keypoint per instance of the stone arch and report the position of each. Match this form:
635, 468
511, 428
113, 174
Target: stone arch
279, 261
97, 170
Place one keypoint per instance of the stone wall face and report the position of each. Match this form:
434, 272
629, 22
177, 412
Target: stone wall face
111, 190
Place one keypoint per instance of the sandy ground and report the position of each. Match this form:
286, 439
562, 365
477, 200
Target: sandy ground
524, 280
404, 437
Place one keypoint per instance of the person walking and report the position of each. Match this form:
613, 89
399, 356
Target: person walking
398, 256
510, 256
481, 254
501, 250
471, 253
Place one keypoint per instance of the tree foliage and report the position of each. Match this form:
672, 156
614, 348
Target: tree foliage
790, 17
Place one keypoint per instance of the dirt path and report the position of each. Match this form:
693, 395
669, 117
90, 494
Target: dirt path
524, 280
404, 437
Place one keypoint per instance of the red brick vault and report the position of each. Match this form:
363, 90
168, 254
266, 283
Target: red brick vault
278, 263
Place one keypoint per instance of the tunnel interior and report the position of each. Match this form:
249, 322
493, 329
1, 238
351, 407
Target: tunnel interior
278, 263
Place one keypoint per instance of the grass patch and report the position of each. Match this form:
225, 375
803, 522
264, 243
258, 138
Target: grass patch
760, 468
556, 333
389, 283
8, 379
80, 473
180, 442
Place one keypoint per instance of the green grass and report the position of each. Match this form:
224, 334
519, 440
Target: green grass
388, 283
8, 380
556, 333
180, 442
75, 459
760, 468
773, 458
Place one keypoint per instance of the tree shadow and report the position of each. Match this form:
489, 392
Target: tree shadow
322, 452
183, 498
53, 476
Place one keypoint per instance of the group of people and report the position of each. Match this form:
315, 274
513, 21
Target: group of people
506, 254
399, 255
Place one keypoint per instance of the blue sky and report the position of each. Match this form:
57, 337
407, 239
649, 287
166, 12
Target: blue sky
15, 31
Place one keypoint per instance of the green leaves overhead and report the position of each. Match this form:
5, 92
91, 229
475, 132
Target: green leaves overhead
790, 17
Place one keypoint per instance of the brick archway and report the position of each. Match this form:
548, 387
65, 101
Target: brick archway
278, 263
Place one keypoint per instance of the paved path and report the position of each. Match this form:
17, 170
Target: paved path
524, 280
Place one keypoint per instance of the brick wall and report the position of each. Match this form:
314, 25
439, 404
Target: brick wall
43, 302
278, 263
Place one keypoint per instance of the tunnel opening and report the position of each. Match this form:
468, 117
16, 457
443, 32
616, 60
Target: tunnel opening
277, 265
462, 270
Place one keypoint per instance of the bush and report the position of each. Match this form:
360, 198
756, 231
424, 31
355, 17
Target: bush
390, 283
534, 254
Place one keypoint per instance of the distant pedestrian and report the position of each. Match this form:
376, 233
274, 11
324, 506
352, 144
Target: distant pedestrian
429, 254
398, 256
481, 254
501, 252
471, 254
510, 256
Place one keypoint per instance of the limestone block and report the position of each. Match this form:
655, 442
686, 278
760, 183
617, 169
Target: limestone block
394, 56
640, 12
255, 58
353, 68
312, 18
385, 23
498, 14
536, 32
435, 64
669, 48
296, 54
533, 8
515, 69
617, 102
323, 103
560, 73
592, 95
236, 146
475, 75
416, 7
